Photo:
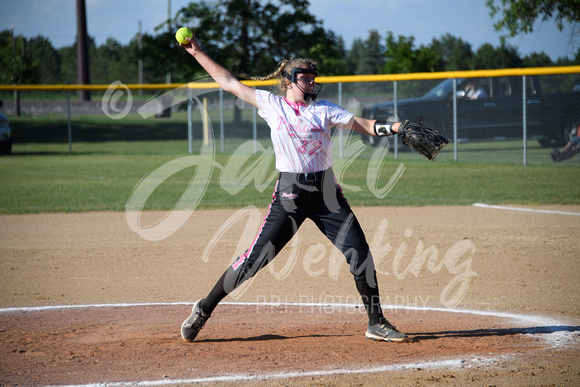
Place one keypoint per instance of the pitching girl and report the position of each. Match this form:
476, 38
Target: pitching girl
306, 187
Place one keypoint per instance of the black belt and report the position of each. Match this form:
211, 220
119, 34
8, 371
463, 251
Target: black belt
306, 177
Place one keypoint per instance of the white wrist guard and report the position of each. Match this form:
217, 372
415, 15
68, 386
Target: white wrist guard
382, 128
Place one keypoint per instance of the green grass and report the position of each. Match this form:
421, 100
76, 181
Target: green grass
103, 182
111, 157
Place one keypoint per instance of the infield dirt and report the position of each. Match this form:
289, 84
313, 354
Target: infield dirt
432, 263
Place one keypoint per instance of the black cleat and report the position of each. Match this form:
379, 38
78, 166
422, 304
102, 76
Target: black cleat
385, 331
191, 327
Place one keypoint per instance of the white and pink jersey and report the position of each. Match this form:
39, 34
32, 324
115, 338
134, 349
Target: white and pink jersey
301, 132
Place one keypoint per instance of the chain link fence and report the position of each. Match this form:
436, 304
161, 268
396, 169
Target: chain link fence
513, 116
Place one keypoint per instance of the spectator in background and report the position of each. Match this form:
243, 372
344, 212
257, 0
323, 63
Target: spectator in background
569, 150
475, 91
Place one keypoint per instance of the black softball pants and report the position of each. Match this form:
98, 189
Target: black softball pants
315, 196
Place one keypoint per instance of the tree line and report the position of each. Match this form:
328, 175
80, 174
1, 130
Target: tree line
250, 37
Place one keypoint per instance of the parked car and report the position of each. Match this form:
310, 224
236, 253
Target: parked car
5, 135
497, 113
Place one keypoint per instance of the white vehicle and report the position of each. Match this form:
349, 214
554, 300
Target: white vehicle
5, 136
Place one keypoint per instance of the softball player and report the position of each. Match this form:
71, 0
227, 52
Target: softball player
306, 187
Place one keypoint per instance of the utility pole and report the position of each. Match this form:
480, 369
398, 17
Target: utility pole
19, 80
168, 76
140, 43
82, 51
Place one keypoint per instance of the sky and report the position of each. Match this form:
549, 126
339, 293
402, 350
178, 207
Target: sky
423, 19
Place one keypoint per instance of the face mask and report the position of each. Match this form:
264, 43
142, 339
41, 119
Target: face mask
293, 77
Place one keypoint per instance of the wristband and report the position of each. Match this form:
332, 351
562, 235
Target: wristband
382, 128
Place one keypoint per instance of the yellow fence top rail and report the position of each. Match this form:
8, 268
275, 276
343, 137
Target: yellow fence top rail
330, 79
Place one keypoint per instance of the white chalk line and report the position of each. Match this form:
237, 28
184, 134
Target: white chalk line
532, 319
555, 339
447, 364
483, 205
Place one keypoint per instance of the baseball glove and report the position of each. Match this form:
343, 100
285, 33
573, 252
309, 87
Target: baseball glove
424, 140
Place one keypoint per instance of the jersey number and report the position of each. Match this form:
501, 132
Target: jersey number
310, 147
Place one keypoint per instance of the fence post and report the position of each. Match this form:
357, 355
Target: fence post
340, 132
255, 129
455, 119
189, 123
396, 114
524, 120
205, 122
69, 126
222, 145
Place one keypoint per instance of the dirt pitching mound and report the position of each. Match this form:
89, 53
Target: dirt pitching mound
128, 344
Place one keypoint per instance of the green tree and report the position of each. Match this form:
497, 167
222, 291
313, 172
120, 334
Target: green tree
537, 60
489, 57
519, 16
455, 53
356, 52
45, 59
371, 58
113, 61
564, 61
68, 67
15, 60
68, 58
162, 56
402, 56
16, 64
251, 37
329, 53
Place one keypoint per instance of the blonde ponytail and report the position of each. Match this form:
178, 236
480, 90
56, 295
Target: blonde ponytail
275, 74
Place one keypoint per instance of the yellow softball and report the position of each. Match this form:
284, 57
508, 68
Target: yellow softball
182, 34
